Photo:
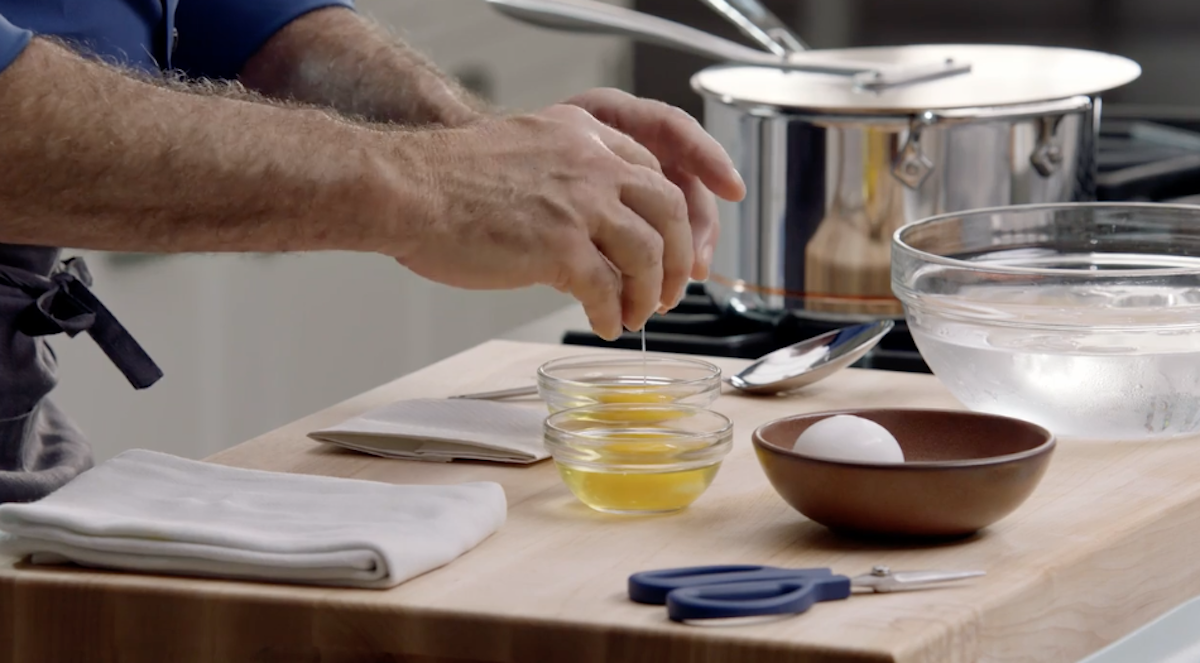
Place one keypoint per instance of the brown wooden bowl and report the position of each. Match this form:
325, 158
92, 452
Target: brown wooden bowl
962, 472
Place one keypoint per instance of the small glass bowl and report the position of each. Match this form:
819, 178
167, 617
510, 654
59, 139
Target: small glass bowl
584, 380
638, 458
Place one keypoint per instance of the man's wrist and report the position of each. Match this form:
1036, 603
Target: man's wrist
463, 114
396, 192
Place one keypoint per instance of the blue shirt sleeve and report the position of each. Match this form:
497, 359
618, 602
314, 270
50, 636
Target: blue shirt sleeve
13, 41
217, 37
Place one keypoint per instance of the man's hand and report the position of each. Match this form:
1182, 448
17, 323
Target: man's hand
690, 158
555, 198
532, 196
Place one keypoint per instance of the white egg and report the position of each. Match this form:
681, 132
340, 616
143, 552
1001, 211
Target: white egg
849, 438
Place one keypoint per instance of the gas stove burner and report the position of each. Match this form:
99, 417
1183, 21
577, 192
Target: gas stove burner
1149, 160
699, 326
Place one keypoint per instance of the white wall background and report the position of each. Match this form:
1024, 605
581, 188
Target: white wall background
250, 342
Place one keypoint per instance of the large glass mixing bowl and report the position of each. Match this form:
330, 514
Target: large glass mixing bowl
1083, 318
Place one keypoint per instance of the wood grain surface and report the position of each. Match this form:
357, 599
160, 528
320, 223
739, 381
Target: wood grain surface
1106, 543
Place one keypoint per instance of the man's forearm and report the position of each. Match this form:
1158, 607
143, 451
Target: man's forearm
334, 57
93, 158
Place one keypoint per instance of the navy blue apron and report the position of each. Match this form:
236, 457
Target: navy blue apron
40, 448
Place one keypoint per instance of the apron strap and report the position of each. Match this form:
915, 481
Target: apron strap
63, 303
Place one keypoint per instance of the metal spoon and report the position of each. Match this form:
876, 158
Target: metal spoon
786, 369
808, 361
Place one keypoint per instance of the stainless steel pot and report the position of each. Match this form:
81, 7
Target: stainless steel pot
827, 191
841, 148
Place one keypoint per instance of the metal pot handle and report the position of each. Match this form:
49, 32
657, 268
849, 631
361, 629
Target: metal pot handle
598, 18
760, 24
912, 167
1020, 112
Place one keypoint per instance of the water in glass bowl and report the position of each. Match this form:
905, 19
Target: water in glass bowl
1089, 361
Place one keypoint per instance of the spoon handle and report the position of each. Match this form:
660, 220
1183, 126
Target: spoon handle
529, 390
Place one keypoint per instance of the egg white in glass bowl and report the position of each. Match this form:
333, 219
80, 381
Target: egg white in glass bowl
1083, 318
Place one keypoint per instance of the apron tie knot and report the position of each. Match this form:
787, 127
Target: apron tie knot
63, 303
57, 309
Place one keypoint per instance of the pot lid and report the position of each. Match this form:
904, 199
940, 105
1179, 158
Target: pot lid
999, 75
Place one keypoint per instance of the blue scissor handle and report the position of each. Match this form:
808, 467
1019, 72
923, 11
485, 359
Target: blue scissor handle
778, 597
653, 586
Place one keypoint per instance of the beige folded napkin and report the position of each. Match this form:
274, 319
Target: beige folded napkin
443, 430
149, 512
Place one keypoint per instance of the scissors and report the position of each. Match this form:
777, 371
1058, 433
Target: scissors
719, 592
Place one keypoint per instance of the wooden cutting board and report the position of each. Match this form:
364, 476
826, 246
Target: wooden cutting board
1106, 543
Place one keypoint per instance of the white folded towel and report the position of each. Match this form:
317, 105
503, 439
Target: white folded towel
444, 430
151, 512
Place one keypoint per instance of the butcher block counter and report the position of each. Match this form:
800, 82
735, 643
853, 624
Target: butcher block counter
1107, 542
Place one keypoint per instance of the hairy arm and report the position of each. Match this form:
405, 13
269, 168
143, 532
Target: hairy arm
95, 158
337, 58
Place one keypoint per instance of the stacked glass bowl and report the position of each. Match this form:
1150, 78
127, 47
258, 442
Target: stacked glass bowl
633, 434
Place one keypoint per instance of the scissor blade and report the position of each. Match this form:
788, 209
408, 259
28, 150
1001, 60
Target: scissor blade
905, 580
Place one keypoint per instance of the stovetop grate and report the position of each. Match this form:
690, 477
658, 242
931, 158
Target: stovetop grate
699, 326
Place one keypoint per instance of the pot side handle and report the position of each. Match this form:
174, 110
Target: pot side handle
912, 167
1024, 111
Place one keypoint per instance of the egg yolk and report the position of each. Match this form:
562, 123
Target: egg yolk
620, 395
641, 492
634, 395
